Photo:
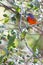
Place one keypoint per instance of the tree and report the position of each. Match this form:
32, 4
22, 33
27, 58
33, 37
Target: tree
17, 34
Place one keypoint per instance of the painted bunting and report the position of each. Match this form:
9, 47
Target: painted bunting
31, 19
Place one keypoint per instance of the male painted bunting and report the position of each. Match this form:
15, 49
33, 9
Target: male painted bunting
31, 19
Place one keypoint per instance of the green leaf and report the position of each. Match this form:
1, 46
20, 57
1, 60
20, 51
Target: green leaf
5, 15
11, 63
1, 57
17, 41
21, 61
18, 9
23, 34
35, 61
13, 32
35, 8
13, 18
6, 20
11, 48
4, 59
30, 5
0, 41
18, 16
11, 40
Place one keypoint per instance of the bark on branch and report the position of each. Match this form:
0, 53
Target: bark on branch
7, 7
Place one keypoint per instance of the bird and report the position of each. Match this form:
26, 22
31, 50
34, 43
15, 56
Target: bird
31, 19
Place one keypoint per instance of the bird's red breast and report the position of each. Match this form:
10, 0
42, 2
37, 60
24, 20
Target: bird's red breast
31, 21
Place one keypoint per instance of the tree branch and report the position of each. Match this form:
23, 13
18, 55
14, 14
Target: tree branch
7, 7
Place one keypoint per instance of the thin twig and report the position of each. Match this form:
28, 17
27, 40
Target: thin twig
8, 7
28, 46
32, 51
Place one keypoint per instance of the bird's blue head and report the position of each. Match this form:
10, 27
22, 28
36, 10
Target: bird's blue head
30, 15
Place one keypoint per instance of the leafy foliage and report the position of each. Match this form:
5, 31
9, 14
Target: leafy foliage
15, 38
